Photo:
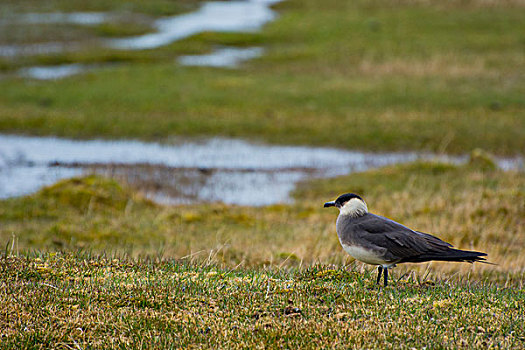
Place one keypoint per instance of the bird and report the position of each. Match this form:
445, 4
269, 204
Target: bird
377, 240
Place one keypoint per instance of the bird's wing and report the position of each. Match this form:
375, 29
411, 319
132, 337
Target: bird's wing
400, 241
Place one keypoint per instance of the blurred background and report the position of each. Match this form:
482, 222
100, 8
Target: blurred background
218, 129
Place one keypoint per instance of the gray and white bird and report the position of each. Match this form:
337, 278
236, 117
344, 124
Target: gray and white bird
377, 240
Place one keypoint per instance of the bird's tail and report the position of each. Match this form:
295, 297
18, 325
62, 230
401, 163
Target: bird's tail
450, 255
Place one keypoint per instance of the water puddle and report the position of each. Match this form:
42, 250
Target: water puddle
230, 171
53, 72
216, 16
45, 48
224, 170
77, 18
228, 57
224, 57
11, 51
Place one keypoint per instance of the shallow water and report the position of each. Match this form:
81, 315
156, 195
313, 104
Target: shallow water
53, 72
224, 57
216, 16
75, 18
10, 51
227, 170
79, 18
231, 171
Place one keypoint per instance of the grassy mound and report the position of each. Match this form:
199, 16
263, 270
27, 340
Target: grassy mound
88, 193
74, 213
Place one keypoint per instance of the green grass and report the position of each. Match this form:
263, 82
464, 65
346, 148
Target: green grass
370, 75
106, 302
152, 7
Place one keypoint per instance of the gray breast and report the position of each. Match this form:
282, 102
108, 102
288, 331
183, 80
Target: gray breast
348, 230
358, 242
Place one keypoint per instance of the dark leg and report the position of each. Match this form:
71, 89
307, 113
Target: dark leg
379, 270
386, 276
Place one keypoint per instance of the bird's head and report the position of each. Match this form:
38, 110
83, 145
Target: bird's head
349, 204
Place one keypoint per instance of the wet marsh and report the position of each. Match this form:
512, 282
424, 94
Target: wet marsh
90, 261
419, 77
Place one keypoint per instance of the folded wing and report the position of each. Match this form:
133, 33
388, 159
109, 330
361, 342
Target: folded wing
405, 245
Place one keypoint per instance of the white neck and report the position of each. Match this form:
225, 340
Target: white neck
354, 207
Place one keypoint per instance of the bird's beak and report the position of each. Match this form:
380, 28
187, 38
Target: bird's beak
329, 204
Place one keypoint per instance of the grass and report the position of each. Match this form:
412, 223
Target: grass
90, 263
154, 7
468, 206
83, 301
369, 75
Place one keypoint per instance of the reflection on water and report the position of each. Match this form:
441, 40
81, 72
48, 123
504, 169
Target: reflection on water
79, 18
46, 48
225, 57
231, 171
34, 49
24, 179
216, 16
186, 185
53, 72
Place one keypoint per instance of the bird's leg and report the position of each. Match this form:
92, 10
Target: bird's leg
379, 270
386, 276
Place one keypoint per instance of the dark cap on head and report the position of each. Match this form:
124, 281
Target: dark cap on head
341, 200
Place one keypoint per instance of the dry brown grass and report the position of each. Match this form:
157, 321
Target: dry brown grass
469, 207
434, 66
472, 4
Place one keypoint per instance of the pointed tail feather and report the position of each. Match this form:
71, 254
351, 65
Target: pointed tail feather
449, 255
